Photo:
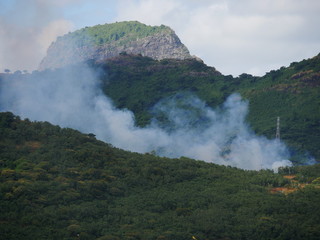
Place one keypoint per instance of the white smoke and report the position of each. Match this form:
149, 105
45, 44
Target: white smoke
183, 125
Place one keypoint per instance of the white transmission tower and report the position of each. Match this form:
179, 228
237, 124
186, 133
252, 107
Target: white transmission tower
278, 128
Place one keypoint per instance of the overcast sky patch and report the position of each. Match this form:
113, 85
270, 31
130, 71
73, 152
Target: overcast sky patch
252, 36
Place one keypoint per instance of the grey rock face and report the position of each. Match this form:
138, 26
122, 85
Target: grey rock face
159, 45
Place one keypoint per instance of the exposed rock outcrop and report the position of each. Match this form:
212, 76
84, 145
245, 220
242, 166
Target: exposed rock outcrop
105, 41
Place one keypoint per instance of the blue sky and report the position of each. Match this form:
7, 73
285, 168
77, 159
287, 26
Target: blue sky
252, 36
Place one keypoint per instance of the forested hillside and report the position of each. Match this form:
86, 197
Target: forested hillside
57, 183
292, 93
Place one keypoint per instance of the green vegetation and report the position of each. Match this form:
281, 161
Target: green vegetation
122, 32
292, 93
56, 183
60, 184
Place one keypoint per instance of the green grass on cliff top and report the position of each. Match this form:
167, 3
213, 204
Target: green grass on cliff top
122, 32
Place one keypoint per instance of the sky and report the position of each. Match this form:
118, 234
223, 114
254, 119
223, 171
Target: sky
234, 36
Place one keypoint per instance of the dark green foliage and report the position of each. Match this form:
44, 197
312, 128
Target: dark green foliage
138, 83
59, 184
292, 93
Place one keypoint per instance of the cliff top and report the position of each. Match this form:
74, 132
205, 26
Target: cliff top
102, 42
122, 32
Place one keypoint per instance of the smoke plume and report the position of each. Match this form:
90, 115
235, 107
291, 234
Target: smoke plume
182, 125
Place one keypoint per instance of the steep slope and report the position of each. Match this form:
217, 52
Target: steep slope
59, 184
292, 93
104, 41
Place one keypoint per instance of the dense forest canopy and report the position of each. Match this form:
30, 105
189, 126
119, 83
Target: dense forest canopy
57, 183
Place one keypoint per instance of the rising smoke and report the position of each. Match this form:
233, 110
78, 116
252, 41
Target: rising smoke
182, 125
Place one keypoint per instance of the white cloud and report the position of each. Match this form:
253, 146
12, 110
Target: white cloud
24, 47
147, 11
253, 36
27, 29
58, 3
234, 36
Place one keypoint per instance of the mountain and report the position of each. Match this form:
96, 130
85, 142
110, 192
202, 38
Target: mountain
56, 183
105, 41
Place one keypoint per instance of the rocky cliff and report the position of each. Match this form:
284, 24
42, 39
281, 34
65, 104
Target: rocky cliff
109, 40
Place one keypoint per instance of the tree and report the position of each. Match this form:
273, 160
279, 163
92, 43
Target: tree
7, 70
